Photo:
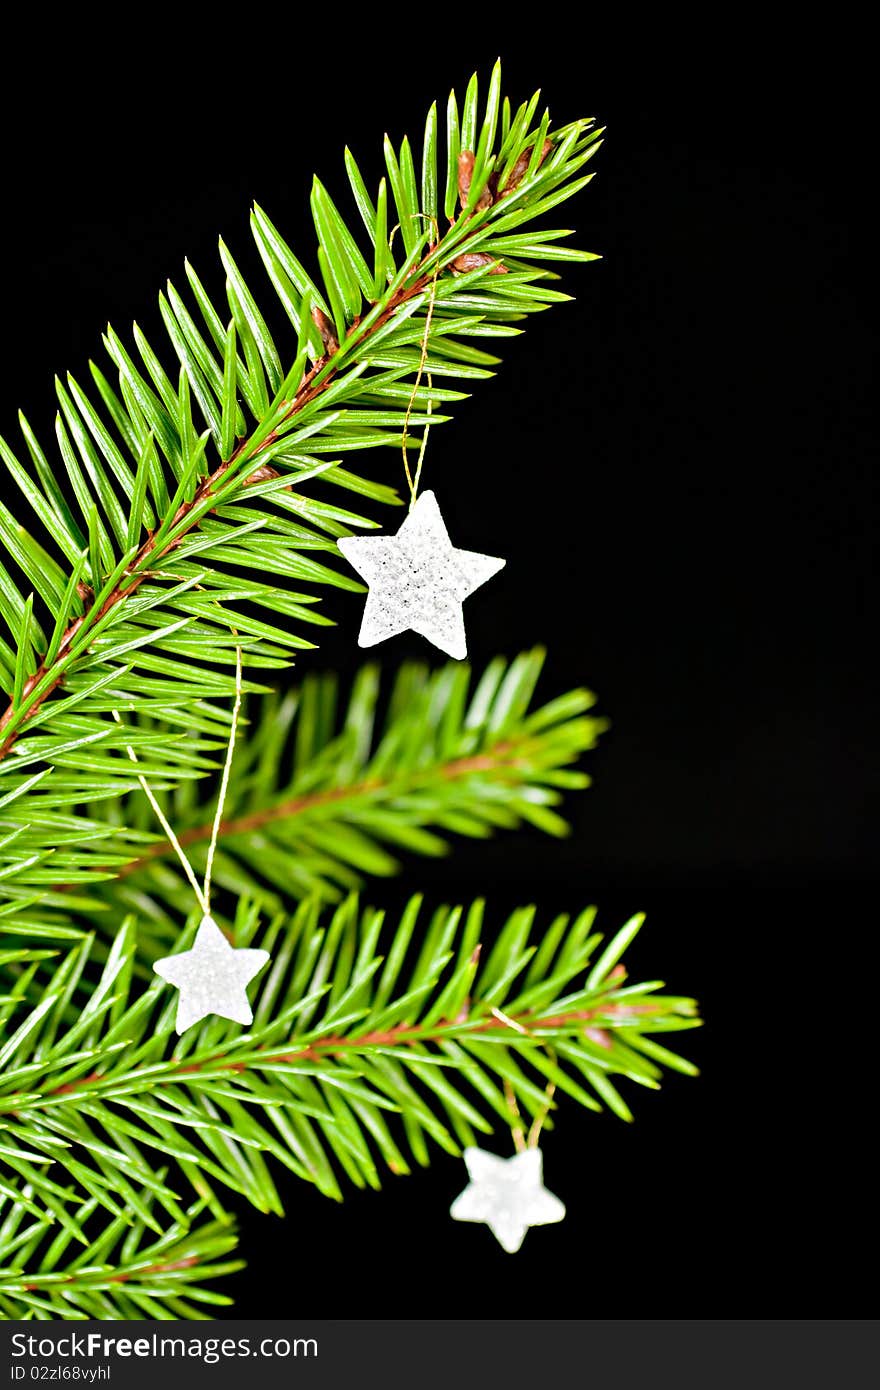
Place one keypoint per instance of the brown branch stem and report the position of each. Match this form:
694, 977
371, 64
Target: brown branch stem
401, 1035
308, 390
497, 758
91, 1278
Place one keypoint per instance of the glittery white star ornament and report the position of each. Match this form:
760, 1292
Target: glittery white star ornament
418, 580
211, 977
507, 1194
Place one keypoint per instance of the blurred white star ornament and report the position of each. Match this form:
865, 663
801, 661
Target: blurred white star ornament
507, 1194
418, 580
211, 977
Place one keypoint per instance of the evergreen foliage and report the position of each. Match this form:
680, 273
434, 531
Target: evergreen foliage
190, 510
317, 800
347, 1033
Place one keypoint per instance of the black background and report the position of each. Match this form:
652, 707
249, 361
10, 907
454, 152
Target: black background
676, 467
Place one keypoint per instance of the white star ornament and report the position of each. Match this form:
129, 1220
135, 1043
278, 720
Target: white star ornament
211, 977
418, 580
507, 1194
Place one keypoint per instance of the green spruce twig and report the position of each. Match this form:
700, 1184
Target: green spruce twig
193, 470
347, 1034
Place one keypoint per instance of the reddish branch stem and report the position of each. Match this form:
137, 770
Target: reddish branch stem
296, 805
188, 1262
138, 570
402, 1034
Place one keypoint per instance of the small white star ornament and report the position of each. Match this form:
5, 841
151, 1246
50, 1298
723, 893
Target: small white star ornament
418, 580
211, 977
507, 1194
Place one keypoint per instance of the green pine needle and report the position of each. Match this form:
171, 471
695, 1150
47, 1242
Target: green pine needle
132, 1266
353, 1026
318, 801
190, 509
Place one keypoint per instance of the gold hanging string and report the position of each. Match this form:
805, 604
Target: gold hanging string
224, 781
516, 1126
538, 1122
203, 893
517, 1129
413, 481
166, 826
422, 447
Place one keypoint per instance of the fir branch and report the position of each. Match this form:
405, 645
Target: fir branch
168, 484
316, 801
126, 608
343, 1036
128, 1268
139, 461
